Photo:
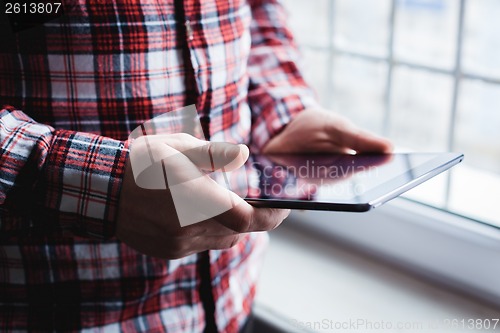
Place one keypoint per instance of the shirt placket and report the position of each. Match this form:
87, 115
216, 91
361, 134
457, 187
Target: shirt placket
194, 91
196, 79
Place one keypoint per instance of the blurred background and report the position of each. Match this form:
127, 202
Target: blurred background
425, 73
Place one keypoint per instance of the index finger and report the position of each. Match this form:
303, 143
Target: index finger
244, 218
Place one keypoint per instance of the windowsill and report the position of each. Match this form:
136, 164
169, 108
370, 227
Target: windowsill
310, 279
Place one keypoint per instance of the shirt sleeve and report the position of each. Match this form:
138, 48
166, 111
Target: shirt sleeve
277, 89
61, 179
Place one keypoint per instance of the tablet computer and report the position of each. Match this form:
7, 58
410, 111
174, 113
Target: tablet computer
339, 182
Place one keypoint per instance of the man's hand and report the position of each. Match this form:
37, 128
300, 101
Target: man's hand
147, 219
316, 131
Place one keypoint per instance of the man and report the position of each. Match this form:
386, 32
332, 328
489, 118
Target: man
82, 246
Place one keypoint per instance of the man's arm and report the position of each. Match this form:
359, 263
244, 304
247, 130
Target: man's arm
79, 176
278, 92
74, 177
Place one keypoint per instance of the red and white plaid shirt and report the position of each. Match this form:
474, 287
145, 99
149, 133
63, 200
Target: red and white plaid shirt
76, 87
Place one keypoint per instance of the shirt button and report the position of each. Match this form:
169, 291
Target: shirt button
189, 30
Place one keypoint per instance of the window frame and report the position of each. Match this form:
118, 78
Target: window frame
457, 73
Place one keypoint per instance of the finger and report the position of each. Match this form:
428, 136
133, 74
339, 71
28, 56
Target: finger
210, 155
166, 166
181, 247
213, 156
197, 197
351, 137
226, 224
190, 246
222, 243
245, 218
204, 154
210, 227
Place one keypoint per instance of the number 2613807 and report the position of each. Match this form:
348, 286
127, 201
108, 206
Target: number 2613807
32, 7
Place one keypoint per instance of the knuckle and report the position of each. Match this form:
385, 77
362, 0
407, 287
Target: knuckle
225, 243
178, 249
183, 232
180, 136
177, 246
205, 149
139, 141
242, 223
180, 140
272, 221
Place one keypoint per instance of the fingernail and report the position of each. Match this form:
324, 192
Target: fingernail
244, 150
231, 151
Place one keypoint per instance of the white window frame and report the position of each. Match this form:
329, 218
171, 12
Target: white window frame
456, 73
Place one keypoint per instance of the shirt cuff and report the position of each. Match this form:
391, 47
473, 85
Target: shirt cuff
81, 182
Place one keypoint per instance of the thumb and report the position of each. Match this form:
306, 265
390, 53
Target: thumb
205, 155
213, 156
181, 156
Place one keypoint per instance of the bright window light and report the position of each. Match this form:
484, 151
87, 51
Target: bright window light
425, 73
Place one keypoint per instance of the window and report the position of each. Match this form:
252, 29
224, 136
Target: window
425, 73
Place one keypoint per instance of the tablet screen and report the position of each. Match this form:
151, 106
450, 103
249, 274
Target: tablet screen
337, 180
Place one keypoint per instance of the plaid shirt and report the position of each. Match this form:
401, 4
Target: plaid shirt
76, 86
